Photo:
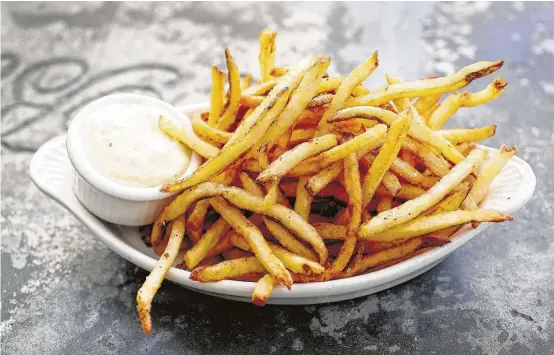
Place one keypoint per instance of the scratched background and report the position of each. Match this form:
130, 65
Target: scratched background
63, 292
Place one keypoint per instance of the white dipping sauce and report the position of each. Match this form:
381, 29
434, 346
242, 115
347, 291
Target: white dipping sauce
123, 143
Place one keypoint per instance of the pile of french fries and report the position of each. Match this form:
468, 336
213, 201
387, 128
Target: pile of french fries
405, 184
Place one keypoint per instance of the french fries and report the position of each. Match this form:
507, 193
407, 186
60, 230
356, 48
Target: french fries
453, 102
217, 96
411, 209
396, 135
373, 178
233, 97
427, 87
177, 132
146, 293
267, 53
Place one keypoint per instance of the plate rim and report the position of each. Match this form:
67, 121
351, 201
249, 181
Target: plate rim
242, 288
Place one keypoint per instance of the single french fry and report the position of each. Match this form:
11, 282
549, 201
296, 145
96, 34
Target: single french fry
490, 171
233, 99
267, 53
427, 87
464, 135
425, 103
396, 252
385, 157
293, 157
385, 204
353, 188
195, 221
411, 209
217, 96
186, 137
206, 243
428, 224
303, 203
262, 291
148, 290
203, 129
227, 269
453, 102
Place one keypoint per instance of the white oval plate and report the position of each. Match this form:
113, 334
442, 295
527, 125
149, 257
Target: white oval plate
53, 173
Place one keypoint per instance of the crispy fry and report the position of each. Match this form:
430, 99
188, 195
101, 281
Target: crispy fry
203, 129
262, 291
387, 154
399, 251
195, 221
411, 209
293, 157
233, 96
227, 269
320, 101
463, 135
323, 178
407, 192
453, 102
427, 87
353, 188
146, 293
267, 53
217, 96
254, 238
490, 171
186, 137
279, 71
355, 78
428, 224
206, 243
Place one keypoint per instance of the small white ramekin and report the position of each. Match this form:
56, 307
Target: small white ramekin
106, 199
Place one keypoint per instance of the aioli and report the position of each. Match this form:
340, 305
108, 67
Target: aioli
123, 143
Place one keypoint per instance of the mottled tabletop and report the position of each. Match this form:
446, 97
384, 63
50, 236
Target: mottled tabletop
64, 292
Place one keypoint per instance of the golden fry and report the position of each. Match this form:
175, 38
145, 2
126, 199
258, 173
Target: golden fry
203, 129
217, 96
396, 135
267, 53
427, 87
453, 102
464, 135
262, 291
186, 137
227, 269
146, 293
233, 99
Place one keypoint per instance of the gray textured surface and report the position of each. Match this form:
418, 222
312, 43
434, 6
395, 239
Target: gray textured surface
63, 292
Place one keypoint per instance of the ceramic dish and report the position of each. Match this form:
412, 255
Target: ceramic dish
53, 173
